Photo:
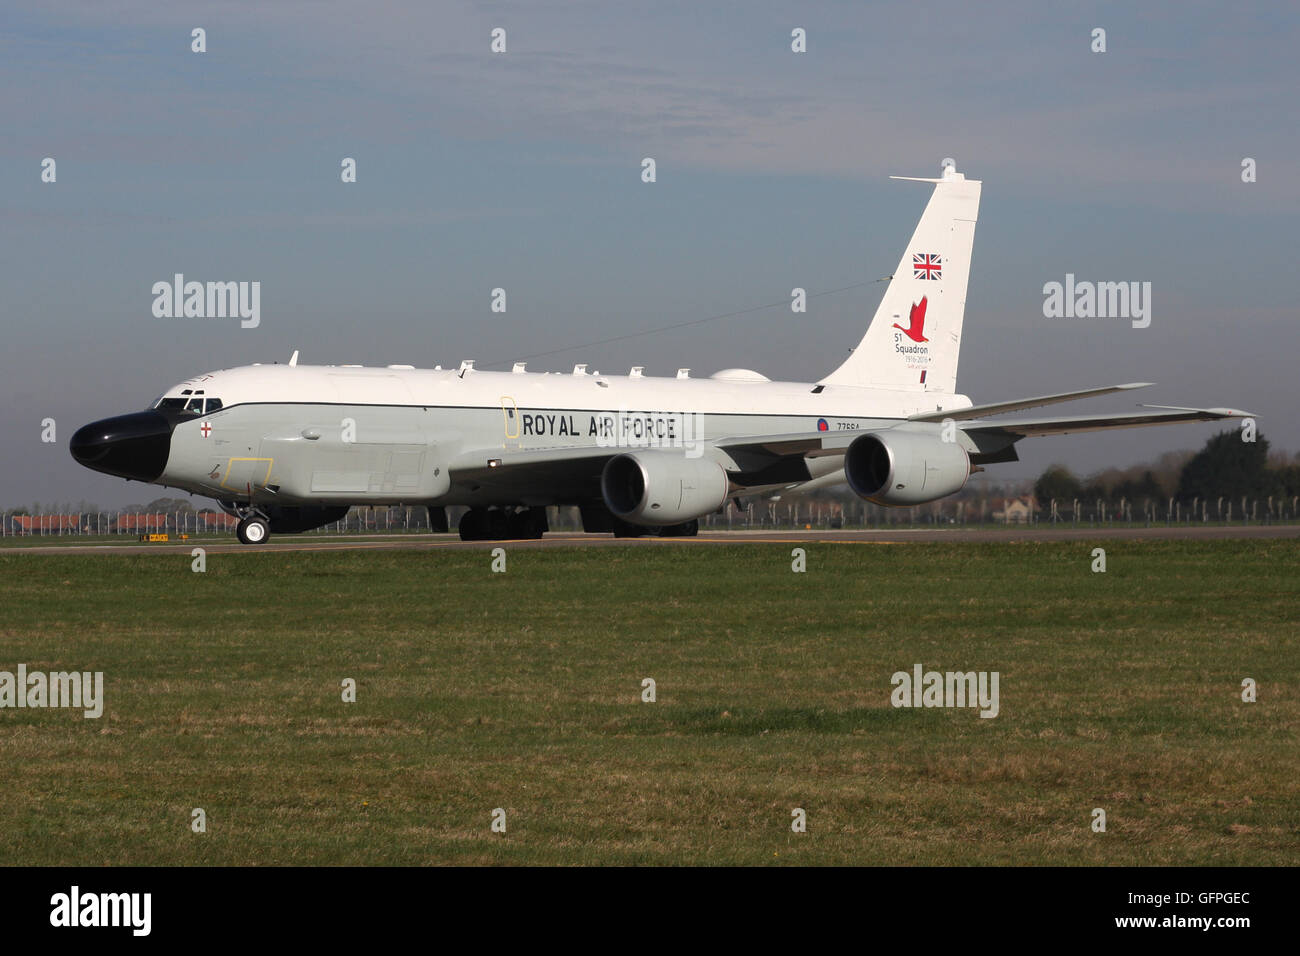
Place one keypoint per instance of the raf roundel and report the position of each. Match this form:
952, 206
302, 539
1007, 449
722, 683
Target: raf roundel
821, 425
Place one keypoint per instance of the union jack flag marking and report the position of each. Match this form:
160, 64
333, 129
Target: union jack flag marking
927, 266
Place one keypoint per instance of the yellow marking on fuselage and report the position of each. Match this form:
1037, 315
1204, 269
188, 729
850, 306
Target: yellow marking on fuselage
231, 463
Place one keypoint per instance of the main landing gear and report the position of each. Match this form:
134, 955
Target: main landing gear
687, 529
625, 529
597, 519
501, 524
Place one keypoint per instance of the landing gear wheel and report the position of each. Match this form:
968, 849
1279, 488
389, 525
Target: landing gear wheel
502, 524
625, 529
498, 525
473, 525
687, 529
529, 524
253, 531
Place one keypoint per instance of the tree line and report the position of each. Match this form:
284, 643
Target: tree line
1226, 467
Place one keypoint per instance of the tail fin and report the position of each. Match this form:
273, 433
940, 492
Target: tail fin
915, 338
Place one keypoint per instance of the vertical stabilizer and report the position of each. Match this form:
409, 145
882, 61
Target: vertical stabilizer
915, 338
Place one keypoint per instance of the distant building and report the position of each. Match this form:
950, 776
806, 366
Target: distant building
153, 524
44, 524
216, 521
1017, 510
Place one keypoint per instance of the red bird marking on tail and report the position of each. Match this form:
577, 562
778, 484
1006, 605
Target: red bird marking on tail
917, 322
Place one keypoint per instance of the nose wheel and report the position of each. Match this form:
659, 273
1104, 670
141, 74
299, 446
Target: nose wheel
252, 530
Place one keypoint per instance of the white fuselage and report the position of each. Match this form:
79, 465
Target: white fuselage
346, 434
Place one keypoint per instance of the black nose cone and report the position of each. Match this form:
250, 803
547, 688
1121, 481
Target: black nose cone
132, 446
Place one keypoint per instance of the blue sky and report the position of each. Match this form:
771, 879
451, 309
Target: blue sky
522, 171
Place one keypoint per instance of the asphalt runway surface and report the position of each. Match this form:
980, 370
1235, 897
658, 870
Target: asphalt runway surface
563, 539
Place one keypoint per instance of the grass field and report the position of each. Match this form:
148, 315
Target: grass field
522, 691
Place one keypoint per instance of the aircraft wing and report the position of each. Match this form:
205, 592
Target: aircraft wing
767, 461
781, 459
979, 411
1169, 415
543, 473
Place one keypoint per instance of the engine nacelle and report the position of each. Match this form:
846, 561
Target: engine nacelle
905, 468
662, 487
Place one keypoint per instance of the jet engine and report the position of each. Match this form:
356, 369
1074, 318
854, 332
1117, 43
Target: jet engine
662, 487
905, 468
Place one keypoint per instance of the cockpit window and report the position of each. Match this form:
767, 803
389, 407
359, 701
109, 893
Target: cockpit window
180, 403
191, 401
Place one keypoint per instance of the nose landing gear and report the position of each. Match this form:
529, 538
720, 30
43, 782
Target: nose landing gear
254, 526
253, 530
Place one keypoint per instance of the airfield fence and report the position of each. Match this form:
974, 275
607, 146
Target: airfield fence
774, 515
1099, 512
